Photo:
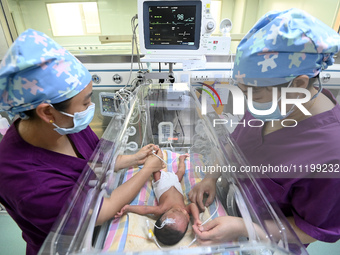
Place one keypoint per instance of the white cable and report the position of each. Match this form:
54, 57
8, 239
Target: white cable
194, 240
155, 239
217, 205
172, 148
167, 221
164, 160
173, 160
151, 235
121, 97
132, 44
139, 117
159, 157
146, 116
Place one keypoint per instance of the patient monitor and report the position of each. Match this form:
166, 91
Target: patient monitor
176, 31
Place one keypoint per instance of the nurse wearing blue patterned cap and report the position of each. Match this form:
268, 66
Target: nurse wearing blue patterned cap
45, 150
287, 49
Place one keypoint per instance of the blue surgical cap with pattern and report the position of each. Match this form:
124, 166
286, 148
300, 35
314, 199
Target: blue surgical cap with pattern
282, 46
36, 69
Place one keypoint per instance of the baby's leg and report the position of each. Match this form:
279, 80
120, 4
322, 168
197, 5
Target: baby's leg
156, 175
181, 167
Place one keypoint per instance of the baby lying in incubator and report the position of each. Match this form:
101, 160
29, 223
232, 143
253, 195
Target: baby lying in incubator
174, 218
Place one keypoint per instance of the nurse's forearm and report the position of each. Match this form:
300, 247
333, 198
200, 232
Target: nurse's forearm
124, 161
273, 229
123, 195
304, 238
212, 175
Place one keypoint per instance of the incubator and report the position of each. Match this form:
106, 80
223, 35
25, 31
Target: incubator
168, 115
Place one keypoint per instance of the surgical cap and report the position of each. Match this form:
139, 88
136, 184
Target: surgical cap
36, 69
282, 46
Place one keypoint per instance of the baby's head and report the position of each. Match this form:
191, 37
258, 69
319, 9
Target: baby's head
172, 226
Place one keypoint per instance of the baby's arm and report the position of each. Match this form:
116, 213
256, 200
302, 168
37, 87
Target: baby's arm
139, 209
194, 211
138, 158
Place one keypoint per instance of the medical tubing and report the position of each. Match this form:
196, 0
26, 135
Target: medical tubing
170, 144
159, 158
210, 217
167, 221
152, 236
193, 241
140, 65
146, 118
132, 43
164, 160
131, 65
139, 113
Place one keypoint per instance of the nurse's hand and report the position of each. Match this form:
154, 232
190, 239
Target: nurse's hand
141, 156
206, 186
123, 211
153, 163
219, 230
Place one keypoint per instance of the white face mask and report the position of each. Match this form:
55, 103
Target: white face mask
276, 115
80, 121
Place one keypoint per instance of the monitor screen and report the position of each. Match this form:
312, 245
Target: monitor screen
172, 24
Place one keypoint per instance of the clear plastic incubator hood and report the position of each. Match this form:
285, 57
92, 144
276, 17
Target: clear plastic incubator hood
168, 115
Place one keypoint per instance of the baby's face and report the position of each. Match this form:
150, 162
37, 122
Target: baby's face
181, 217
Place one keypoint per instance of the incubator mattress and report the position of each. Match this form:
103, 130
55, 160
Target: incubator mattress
130, 233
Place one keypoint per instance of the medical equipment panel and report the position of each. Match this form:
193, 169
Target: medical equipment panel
173, 25
178, 31
168, 115
107, 104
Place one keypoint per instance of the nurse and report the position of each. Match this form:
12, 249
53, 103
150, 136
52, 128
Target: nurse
287, 49
45, 150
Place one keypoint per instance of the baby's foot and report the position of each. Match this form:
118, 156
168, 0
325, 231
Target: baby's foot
181, 166
183, 157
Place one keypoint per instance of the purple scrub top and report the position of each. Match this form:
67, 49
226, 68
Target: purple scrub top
35, 183
313, 202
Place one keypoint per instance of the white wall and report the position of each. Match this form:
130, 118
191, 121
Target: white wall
115, 15
3, 43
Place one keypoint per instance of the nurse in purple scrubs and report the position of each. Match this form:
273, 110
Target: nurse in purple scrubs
47, 147
287, 49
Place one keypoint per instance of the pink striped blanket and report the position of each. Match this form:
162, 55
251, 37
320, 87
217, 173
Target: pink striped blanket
118, 230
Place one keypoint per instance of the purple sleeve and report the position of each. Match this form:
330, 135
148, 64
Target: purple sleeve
42, 206
316, 204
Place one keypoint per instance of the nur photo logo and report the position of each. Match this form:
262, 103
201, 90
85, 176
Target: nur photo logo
239, 98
